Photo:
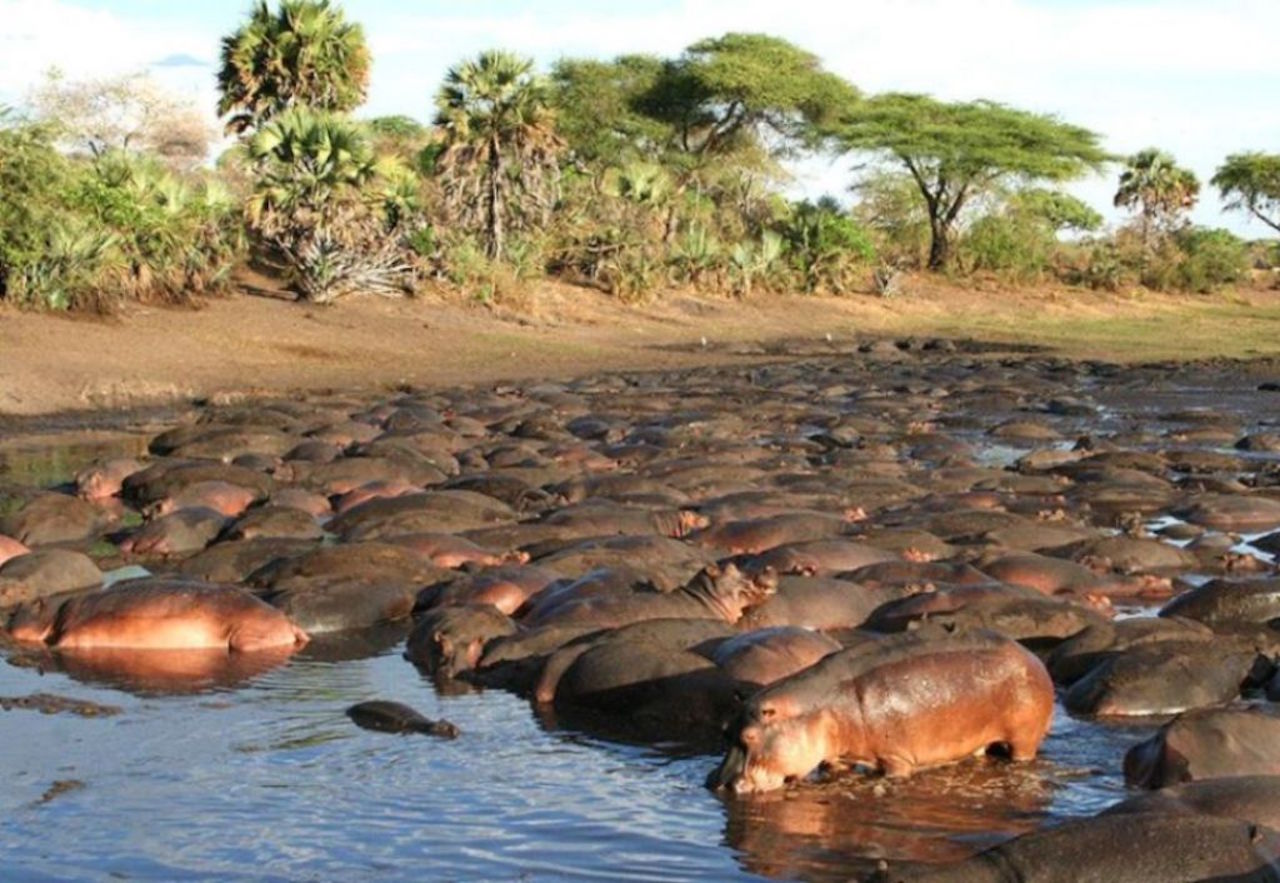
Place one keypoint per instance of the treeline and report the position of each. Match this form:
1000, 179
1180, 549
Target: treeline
631, 175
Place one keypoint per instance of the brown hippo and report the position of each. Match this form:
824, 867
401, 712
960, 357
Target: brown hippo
507, 588
824, 556
11, 548
227, 499
815, 602
303, 500
761, 534
763, 656
1012, 611
1152, 847
233, 562
374, 490
46, 572
48, 519
165, 614
395, 717
1165, 678
1206, 744
180, 532
1225, 602
450, 640
452, 551
274, 523
1084, 651
714, 593
1055, 576
1235, 512
1244, 798
105, 479
905, 702
165, 478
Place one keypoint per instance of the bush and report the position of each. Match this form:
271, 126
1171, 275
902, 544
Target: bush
826, 246
1012, 245
1210, 258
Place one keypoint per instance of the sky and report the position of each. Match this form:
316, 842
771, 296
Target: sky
1198, 78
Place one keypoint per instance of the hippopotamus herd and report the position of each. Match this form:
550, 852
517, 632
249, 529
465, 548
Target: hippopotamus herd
820, 569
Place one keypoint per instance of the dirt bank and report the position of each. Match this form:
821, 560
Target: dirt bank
251, 345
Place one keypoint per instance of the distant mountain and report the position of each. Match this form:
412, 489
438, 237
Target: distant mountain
180, 60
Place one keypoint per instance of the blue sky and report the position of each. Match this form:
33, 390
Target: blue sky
1195, 77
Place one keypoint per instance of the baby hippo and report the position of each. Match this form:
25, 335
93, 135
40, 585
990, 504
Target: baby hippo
896, 704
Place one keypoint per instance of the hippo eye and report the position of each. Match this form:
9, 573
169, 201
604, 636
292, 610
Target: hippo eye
767, 712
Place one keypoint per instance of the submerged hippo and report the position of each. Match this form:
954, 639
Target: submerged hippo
162, 614
905, 702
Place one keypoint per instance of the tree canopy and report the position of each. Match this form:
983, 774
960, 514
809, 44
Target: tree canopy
735, 93
954, 151
1250, 182
303, 53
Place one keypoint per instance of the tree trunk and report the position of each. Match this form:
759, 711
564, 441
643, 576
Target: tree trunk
939, 245
494, 207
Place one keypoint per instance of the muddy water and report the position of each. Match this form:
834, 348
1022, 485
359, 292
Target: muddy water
264, 778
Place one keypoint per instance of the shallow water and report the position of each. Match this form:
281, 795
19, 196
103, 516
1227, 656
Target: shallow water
264, 778
269, 780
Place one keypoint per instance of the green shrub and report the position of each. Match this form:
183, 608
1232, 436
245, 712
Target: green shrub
1210, 258
826, 246
1012, 245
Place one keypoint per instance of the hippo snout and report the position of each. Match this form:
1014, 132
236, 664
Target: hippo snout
729, 773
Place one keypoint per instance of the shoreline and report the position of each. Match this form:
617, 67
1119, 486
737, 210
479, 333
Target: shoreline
159, 362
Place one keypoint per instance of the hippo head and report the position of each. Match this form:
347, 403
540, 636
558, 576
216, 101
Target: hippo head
32, 622
770, 743
731, 592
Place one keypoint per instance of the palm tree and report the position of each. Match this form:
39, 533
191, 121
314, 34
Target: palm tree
320, 201
303, 53
1158, 188
499, 164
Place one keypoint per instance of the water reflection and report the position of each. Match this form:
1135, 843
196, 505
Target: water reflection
163, 672
828, 830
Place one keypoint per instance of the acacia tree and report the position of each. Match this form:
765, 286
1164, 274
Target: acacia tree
1251, 182
745, 94
1159, 189
499, 164
956, 151
129, 112
303, 53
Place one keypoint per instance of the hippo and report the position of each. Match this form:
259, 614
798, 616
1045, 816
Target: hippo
450, 640
1225, 602
273, 522
1082, 652
105, 479
46, 572
761, 534
714, 593
1015, 612
1148, 847
164, 614
178, 533
11, 548
1234, 512
814, 602
824, 556
1244, 798
763, 656
507, 588
425, 511
452, 551
1205, 744
1165, 678
882, 704
167, 477
227, 499
50, 519
395, 717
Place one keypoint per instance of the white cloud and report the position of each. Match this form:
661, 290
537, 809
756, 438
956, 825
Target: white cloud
1193, 77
